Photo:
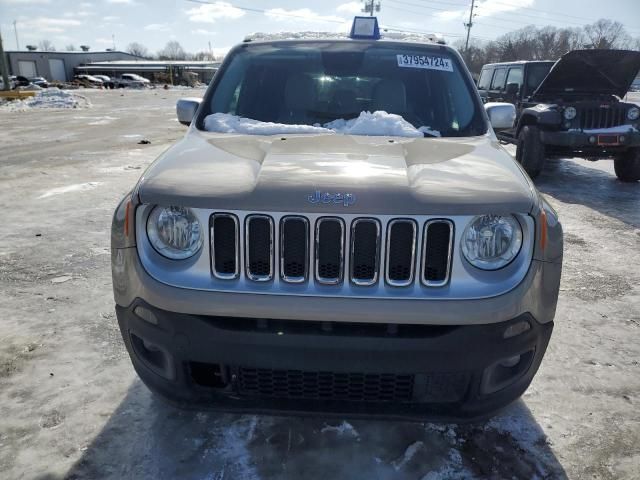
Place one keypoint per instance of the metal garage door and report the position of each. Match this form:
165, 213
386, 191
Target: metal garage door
27, 68
56, 67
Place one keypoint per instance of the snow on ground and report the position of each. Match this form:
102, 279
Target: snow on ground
48, 98
78, 187
377, 123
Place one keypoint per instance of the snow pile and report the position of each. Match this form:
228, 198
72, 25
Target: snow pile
49, 98
275, 36
377, 123
345, 429
395, 36
227, 123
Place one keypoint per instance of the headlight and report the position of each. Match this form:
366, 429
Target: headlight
570, 113
174, 232
491, 241
633, 113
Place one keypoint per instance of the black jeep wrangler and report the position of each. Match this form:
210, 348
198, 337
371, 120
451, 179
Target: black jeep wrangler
570, 108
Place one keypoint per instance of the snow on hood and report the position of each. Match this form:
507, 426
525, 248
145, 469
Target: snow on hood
49, 98
379, 123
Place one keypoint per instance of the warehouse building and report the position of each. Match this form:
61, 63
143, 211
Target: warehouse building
57, 66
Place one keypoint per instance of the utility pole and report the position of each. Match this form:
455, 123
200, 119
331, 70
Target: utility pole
15, 30
4, 66
470, 24
371, 6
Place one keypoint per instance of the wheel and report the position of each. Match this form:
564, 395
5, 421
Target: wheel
530, 150
627, 165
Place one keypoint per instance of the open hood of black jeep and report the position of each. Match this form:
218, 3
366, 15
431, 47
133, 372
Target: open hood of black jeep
606, 72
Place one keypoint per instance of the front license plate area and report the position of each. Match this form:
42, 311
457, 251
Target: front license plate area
608, 140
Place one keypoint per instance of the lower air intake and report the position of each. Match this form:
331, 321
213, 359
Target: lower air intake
297, 384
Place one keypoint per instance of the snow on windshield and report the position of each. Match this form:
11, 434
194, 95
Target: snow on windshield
378, 123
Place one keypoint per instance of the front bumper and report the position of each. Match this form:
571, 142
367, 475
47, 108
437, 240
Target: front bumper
580, 140
407, 371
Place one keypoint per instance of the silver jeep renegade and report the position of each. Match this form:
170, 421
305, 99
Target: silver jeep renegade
338, 231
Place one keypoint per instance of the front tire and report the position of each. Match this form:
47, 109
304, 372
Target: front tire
530, 150
627, 165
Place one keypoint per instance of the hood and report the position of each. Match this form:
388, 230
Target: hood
607, 72
376, 175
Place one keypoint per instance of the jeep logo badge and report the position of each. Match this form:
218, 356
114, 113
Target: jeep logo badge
344, 199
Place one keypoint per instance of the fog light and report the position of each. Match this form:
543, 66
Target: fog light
516, 329
510, 362
567, 124
146, 315
592, 139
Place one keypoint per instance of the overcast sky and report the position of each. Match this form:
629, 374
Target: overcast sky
99, 23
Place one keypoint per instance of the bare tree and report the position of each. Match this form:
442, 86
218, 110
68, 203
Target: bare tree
70, 48
605, 34
46, 46
172, 51
137, 49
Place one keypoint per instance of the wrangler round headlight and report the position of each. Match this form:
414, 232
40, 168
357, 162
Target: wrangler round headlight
633, 113
570, 113
174, 232
491, 241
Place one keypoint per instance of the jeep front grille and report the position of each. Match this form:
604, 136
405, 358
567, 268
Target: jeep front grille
365, 251
598, 117
360, 252
225, 255
401, 252
259, 247
294, 249
436, 253
329, 250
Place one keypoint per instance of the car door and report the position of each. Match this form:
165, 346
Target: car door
514, 77
498, 83
484, 82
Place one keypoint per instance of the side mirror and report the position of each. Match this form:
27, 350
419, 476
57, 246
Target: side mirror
186, 109
501, 115
512, 88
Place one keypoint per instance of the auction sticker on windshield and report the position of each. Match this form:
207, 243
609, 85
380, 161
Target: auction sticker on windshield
424, 61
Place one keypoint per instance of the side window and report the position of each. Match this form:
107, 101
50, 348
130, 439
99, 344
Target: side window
498, 79
485, 79
515, 76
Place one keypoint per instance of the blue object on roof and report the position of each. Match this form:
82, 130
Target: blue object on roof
365, 27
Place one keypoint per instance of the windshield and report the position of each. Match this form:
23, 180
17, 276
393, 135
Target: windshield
536, 73
323, 84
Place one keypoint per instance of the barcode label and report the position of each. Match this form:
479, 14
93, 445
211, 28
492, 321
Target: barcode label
424, 61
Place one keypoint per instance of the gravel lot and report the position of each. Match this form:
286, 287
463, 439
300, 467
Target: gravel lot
72, 407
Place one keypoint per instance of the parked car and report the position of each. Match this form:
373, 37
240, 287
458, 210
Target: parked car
131, 80
88, 80
39, 81
572, 108
396, 263
106, 81
12, 82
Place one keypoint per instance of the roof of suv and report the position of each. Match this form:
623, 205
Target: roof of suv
517, 62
